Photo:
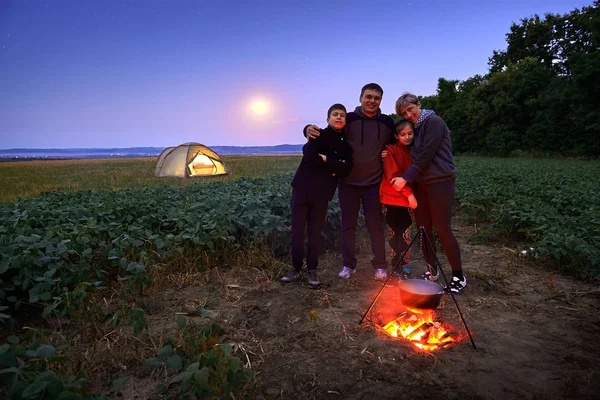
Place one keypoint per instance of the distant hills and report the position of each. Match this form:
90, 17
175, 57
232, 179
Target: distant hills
241, 150
140, 152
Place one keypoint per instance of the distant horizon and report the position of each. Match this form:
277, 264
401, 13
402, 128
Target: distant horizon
137, 151
140, 147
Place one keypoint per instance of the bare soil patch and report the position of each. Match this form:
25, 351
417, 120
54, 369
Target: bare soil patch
536, 333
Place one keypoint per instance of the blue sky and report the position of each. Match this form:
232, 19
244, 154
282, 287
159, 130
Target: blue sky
78, 73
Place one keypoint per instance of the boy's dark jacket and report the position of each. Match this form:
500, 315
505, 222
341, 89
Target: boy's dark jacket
316, 177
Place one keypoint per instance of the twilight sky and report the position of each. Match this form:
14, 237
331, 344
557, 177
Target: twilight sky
79, 73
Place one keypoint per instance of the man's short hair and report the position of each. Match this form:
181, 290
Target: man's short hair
336, 106
371, 86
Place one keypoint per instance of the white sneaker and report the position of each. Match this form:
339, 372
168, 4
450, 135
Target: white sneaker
346, 273
380, 275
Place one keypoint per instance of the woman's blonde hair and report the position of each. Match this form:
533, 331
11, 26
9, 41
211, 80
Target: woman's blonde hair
406, 99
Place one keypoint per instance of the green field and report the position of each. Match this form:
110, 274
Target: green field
28, 179
104, 218
87, 229
549, 204
90, 213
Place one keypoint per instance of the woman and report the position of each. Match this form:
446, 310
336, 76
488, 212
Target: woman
433, 175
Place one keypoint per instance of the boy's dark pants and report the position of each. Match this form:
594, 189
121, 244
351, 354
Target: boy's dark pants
310, 212
398, 220
350, 198
435, 211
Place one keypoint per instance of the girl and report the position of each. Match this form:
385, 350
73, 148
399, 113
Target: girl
396, 202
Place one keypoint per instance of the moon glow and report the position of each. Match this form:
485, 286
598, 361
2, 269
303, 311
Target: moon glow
259, 107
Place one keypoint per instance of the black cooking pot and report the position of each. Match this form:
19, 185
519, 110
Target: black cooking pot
419, 295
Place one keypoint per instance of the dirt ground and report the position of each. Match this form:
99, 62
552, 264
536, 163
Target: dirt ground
536, 333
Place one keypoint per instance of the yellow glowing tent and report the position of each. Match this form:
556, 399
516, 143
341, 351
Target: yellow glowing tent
189, 160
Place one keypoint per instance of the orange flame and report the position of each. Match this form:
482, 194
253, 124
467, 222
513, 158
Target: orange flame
421, 331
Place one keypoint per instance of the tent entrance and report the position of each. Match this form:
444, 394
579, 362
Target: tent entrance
202, 165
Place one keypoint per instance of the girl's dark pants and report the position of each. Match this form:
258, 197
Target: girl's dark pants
350, 197
435, 210
307, 212
398, 220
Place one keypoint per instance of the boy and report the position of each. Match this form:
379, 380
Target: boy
324, 160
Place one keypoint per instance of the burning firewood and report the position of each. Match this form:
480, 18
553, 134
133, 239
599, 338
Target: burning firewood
421, 331
418, 333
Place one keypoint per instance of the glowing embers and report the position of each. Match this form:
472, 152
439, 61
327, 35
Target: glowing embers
421, 331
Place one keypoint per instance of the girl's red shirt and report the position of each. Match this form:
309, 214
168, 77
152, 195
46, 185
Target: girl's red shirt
394, 165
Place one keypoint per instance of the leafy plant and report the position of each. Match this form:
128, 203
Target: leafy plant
33, 371
58, 249
539, 203
203, 368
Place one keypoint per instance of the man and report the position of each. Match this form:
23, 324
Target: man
368, 132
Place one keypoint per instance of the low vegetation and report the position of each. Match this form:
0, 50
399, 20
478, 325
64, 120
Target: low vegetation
65, 252
26, 179
551, 206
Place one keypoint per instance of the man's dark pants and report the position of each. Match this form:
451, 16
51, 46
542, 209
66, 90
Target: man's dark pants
350, 198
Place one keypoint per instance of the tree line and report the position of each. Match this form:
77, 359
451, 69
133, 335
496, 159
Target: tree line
541, 96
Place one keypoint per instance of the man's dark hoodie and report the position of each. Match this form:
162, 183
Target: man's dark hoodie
368, 137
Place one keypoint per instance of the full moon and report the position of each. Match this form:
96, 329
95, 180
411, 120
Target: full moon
259, 107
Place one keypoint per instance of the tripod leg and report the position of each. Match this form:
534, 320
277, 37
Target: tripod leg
428, 243
388, 278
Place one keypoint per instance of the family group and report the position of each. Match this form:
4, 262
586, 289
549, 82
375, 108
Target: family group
405, 166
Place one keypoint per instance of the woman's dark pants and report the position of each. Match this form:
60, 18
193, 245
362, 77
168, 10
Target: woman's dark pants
435, 211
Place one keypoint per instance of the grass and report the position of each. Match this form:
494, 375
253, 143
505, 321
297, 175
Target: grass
27, 179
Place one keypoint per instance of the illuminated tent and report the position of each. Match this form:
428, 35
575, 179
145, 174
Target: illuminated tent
189, 160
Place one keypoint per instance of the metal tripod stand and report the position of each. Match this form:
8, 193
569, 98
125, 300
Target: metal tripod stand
425, 242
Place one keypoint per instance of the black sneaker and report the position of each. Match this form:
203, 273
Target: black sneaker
404, 274
457, 285
428, 276
292, 276
313, 280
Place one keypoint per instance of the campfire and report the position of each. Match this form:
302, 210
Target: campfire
422, 297
421, 331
